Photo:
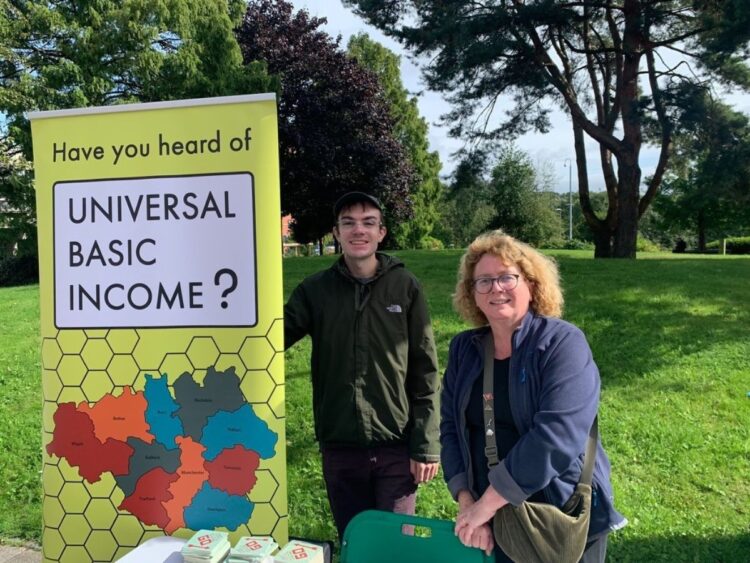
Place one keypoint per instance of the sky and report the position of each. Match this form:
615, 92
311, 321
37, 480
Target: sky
553, 150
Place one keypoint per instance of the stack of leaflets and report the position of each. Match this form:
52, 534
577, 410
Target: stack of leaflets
206, 546
296, 551
253, 549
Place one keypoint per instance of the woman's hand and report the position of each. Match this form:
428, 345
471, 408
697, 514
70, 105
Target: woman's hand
482, 536
472, 523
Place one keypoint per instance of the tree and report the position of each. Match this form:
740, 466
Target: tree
466, 208
410, 129
521, 208
708, 190
17, 217
607, 63
509, 194
335, 128
68, 54
581, 230
79, 53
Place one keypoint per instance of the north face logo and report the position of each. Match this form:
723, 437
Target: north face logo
393, 308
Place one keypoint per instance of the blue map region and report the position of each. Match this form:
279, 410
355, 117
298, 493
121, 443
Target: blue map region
212, 508
160, 411
241, 427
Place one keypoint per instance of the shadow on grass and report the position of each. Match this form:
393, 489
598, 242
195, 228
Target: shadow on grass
638, 315
642, 315
725, 549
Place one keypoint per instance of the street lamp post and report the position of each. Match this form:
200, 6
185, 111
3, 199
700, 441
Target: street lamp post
570, 198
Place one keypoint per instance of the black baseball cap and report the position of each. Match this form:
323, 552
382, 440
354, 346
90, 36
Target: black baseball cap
350, 198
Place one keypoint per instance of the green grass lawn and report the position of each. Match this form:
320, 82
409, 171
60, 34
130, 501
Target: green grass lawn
671, 336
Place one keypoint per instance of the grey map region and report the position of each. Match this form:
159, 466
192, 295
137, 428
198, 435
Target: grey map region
146, 457
220, 392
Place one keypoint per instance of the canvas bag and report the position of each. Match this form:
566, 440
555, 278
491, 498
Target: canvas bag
535, 532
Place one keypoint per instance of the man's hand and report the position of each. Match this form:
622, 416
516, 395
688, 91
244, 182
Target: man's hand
423, 472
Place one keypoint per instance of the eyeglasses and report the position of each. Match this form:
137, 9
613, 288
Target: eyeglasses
369, 224
506, 282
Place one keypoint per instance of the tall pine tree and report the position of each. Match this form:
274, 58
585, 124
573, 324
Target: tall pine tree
610, 64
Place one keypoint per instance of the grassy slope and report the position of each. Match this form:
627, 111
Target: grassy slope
20, 413
670, 336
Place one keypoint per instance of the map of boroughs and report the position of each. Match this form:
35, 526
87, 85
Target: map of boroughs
182, 462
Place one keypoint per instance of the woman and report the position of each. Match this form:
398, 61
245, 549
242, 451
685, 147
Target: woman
546, 396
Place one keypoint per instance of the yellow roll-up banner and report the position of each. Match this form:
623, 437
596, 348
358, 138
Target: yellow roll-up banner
161, 318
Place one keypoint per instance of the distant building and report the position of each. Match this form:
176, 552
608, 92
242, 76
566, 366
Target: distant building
285, 231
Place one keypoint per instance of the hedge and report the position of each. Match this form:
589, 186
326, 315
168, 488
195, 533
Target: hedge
735, 245
19, 270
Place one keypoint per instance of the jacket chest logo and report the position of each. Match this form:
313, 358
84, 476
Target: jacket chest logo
393, 308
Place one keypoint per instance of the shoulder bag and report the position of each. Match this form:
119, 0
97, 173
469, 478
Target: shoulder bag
535, 532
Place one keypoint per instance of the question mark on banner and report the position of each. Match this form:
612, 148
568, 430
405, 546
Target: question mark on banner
232, 285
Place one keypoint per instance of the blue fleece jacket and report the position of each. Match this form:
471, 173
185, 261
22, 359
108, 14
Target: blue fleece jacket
554, 397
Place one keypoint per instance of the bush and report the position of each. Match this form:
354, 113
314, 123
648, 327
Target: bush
578, 244
431, 243
735, 245
645, 245
7, 241
565, 244
19, 270
554, 243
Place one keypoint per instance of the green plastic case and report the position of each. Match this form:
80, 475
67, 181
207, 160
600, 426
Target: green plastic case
375, 536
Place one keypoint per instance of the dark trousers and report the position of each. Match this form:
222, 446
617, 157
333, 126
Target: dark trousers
595, 552
359, 479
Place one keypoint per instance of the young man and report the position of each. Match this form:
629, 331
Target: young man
374, 369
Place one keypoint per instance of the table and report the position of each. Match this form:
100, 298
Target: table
156, 550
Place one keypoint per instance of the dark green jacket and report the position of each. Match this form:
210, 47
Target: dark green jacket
374, 367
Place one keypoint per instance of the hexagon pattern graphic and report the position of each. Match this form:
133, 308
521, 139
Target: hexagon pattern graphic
147, 435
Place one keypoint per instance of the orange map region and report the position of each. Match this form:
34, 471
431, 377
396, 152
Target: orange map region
191, 476
151, 493
120, 417
233, 470
73, 439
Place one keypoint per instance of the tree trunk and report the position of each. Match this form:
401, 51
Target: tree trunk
320, 247
628, 198
626, 237
702, 232
627, 153
602, 243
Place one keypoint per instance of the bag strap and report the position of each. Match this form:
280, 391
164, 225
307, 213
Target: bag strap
488, 405
488, 401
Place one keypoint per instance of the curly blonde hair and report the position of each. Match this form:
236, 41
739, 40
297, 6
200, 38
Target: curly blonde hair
547, 298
